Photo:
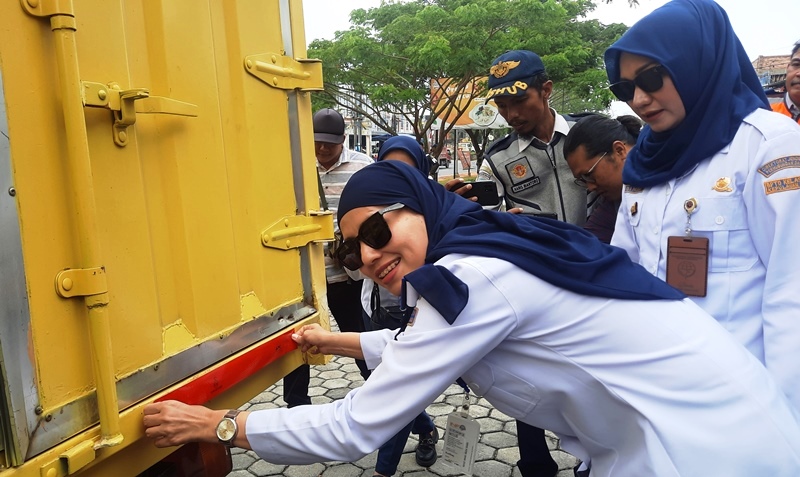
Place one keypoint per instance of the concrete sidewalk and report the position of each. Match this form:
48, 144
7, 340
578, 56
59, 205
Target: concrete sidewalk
497, 450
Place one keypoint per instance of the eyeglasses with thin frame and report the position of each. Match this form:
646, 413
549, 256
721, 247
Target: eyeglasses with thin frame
374, 232
649, 81
587, 178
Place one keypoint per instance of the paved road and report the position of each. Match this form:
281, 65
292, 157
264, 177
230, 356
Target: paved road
497, 450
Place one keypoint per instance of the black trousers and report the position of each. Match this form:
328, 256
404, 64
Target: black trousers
535, 459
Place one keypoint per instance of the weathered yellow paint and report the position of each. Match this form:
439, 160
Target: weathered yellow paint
174, 218
177, 338
251, 307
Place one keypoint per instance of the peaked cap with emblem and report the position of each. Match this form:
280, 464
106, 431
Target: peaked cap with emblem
512, 73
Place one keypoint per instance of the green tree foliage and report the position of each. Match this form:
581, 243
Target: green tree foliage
392, 52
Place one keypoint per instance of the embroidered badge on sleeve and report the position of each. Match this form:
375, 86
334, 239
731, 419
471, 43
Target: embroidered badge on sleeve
779, 164
782, 185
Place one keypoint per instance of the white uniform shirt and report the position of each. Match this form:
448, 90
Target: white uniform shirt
748, 198
638, 387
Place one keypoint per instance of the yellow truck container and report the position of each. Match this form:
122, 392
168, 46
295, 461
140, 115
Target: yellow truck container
160, 231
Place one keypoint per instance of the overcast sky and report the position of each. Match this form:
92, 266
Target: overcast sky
765, 27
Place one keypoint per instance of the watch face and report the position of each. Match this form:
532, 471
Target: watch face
226, 429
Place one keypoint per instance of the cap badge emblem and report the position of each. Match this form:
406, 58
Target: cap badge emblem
502, 68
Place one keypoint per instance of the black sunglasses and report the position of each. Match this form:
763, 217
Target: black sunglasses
374, 232
649, 81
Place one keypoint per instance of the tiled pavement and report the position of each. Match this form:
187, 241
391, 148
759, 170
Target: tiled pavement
497, 450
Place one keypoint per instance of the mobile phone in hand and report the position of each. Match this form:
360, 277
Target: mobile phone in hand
485, 191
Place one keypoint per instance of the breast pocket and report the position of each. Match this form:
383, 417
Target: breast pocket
724, 221
506, 392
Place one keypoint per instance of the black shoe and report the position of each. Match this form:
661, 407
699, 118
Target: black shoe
548, 469
426, 449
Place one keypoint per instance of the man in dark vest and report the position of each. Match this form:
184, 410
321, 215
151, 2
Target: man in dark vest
528, 165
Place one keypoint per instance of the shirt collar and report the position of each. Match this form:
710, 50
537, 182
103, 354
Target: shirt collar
343, 158
793, 108
560, 126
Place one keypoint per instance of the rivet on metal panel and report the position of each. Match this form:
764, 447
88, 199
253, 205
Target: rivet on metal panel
38, 410
275, 80
66, 284
274, 59
288, 244
286, 223
102, 94
249, 64
33, 3
12, 191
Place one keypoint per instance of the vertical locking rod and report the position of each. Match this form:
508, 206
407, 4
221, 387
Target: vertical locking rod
83, 200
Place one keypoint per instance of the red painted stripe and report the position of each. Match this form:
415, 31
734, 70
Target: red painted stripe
216, 382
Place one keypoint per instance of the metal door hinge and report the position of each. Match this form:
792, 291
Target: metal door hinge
296, 231
286, 73
48, 8
81, 282
125, 103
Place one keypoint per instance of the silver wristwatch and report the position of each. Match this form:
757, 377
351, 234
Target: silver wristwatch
227, 428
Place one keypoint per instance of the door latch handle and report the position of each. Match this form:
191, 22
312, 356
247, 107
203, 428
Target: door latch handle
125, 103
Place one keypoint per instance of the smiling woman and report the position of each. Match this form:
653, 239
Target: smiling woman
576, 339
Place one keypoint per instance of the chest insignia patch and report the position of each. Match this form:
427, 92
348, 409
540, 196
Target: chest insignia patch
521, 175
779, 164
782, 185
723, 184
634, 209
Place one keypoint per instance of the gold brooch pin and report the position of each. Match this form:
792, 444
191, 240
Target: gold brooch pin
723, 184
634, 208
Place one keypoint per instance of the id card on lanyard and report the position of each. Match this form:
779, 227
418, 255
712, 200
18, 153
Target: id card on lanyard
461, 438
687, 258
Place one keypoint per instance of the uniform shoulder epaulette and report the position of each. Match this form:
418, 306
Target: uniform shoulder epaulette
501, 143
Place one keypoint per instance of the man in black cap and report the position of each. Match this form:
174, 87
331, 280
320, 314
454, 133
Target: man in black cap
335, 165
528, 165
531, 173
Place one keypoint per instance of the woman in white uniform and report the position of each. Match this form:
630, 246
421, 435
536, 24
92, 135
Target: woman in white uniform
549, 325
713, 169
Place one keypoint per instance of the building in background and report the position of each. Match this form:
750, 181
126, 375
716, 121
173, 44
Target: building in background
771, 70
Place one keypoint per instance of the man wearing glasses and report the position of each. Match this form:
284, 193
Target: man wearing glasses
790, 106
528, 165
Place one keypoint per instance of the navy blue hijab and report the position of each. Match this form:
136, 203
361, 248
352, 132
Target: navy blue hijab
410, 146
558, 253
694, 40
